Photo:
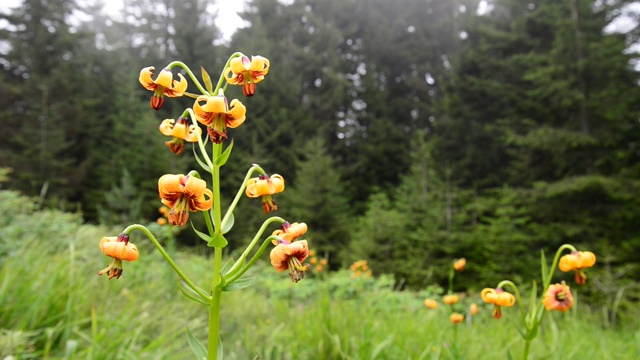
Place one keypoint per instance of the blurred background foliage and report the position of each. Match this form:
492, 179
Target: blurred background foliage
409, 132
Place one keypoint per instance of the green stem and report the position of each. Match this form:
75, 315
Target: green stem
451, 275
527, 346
252, 169
224, 69
552, 269
510, 283
203, 151
191, 75
255, 258
216, 289
166, 256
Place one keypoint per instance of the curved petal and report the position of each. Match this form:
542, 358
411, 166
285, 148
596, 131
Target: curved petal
165, 78
279, 257
488, 295
170, 188
145, 78
201, 203
166, 127
121, 250
194, 187
236, 114
233, 78
278, 183
239, 64
259, 66
194, 133
178, 87
588, 259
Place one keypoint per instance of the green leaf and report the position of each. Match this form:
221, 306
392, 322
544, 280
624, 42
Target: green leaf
207, 80
226, 266
201, 235
533, 299
229, 224
193, 297
217, 241
544, 266
222, 159
198, 349
239, 266
239, 284
202, 164
219, 355
378, 349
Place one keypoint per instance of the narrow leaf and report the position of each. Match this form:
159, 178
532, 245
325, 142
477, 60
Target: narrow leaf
200, 162
226, 266
238, 266
217, 241
207, 80
544, 266
219, 355
229, 224
201, 235
192, 297
198, 349
533, 299
239, 284
378, 349
222, 159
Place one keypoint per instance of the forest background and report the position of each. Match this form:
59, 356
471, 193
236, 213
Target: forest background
409, 132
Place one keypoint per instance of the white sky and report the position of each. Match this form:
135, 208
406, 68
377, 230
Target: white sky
227, 20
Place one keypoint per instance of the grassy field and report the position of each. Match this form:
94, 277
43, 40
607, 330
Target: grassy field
54, 306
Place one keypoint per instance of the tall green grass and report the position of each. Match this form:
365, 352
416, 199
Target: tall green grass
54, 306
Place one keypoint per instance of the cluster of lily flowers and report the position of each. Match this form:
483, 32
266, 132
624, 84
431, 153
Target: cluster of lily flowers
451, 299
319, 264
184, 194
360, 268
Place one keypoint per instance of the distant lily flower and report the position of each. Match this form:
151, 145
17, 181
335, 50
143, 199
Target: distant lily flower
290, 256
577, 261
558, 297
456, 318
217, 115
119, 248
162, 86
498, 297
248, 73
183, 194
181, 132
430, 304
265, 186
450, 299
473, 309
459, 264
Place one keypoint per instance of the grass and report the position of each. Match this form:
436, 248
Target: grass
54, 306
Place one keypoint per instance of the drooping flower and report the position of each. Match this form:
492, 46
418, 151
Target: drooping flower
459, 264
430, 304
183, 194
248, 73
450, 299
456, 318
265, 186
162, 86
473, 309
218, 115
498, 297
290, 256
558, 297
181, 132
577, 261
290, 232
119, 248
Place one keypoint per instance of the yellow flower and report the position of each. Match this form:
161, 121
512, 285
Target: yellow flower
289, 256
558, 297
456, 318
430, 304
473, 309
248, 73
119, 248
290, 232
162, 86
217, 115
577, 261
183, 194
181, 132
265, 186
162, 221
450, 299
459, 264
498, 297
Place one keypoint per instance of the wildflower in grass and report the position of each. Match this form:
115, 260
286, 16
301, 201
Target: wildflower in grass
265, 186
558, 297
162, 221
215, 113
498, 297
290, 232
360, 268
248, 73
119, 248
324, 262
290, 256
430, 304
450, 299
456, 318
162, 86
181, 132
473, 309
313, 261
319, 268
577, 261
183, 194
459, 264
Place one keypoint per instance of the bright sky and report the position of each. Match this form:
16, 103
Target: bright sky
227, 20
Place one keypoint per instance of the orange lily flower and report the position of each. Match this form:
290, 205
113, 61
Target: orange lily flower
290, 232
248, 73
459, 264
181, 132
265, 186
473, 309
162, 86
577, 261
183, 194
217, 115
558, 297
289, 256
119, 248
498, 297
430, 304
450, 299
456, 318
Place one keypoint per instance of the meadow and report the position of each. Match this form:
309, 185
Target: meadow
54, 306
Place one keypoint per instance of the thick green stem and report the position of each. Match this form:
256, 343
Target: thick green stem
527, 345
216, 289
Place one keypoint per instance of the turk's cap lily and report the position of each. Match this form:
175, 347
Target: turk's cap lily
498, 297
119, 249
473, 309
577, 261
264, 185
163, 85
558, 297
430, 304
181, 132
183, 194
450, 299
290, 232
459, 264
247, 72
290, 256
456, 318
